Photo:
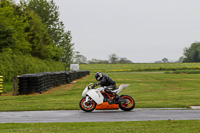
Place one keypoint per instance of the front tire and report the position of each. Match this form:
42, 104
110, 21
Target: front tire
129, 105
87, 107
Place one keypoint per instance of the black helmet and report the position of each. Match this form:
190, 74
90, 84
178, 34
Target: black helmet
99, 76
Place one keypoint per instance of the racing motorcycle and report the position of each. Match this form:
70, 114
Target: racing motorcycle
100, 100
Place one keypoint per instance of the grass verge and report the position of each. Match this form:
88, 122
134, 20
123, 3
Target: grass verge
7, 87
150, 90
169, 126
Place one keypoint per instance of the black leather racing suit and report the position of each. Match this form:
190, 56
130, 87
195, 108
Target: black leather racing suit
110, 85
108, 82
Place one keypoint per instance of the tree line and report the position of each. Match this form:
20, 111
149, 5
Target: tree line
32, 38
112, 59
33, 28
190, 54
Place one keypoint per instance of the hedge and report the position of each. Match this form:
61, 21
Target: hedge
12, 65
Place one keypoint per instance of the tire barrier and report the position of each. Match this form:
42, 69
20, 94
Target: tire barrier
40, 82
1, 85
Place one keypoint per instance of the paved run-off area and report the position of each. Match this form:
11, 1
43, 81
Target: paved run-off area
98, 115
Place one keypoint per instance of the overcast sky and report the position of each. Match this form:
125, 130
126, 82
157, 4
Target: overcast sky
140, 30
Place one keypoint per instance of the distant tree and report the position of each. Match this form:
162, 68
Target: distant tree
79, 59
192, 54
165, 60
180, 59
98, 61
113, 59
124, 61
158, 62
67, 46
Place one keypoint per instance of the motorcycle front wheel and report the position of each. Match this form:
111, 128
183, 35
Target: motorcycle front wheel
129, 105
87, 106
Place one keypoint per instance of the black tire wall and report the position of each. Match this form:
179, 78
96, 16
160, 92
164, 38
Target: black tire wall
40, 82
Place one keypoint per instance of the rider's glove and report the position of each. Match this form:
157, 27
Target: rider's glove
94, 85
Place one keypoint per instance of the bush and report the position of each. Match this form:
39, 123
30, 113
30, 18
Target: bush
12, 65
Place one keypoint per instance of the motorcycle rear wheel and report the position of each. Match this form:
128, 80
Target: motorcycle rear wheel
87, 107
129, 105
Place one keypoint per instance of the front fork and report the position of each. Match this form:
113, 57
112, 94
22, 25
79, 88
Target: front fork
87, 99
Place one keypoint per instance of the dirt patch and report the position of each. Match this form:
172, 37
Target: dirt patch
7, 94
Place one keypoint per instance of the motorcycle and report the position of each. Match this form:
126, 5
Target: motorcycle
100, 100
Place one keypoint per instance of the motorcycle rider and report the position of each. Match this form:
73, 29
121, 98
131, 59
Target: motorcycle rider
108, 83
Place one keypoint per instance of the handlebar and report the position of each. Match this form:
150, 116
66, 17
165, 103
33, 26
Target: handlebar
89, 86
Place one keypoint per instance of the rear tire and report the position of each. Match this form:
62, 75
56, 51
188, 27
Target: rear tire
87, 107
129, 105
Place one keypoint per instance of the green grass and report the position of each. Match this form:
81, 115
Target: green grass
150, 90
138, 67
186, 72
170, 126
7, 87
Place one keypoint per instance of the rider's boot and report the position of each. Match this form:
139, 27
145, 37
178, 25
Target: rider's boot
116, 96
109, 101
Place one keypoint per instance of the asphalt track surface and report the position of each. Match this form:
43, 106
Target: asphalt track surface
98, 115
